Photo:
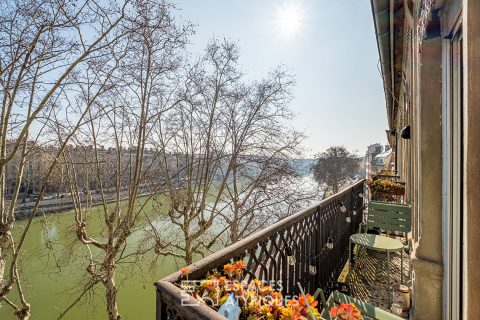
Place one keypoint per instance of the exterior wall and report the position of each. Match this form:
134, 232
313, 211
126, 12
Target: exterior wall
427, 259
472, 170
440, 163
421, 165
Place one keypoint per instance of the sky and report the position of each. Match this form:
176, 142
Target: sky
328, 45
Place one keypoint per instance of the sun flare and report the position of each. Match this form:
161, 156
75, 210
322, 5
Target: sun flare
289, 19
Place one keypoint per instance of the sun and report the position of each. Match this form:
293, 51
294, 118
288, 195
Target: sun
289, 19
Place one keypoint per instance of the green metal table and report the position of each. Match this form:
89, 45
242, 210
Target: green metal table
378, 243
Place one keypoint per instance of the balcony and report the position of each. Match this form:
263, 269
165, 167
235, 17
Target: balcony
267, 254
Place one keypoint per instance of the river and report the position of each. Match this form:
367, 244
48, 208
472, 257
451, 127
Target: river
53, 278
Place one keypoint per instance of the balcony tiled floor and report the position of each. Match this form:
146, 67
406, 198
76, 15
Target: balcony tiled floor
369, 281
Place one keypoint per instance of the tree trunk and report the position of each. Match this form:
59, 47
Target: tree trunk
188, 252
2, 260
4, 247
111, 290
23, 314
234, 227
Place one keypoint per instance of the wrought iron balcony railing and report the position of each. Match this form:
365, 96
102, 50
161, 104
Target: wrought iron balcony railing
317, 236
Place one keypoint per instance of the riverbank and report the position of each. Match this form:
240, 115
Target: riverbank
58, 205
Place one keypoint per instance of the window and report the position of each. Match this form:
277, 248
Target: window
453, 171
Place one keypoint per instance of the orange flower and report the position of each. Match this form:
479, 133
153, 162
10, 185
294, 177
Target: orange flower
236, 287
273, 300
316, 314
266, 311
222, 281
293, 303
347, 311
229, 269
212, 284
310, 299
253, 306
295, 306
277, 295
184, 271
350, 312
265, 290
288, 313
240, 265
334, 312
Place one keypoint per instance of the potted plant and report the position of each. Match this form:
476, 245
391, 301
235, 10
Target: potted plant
345, 311
256, 299
386, 187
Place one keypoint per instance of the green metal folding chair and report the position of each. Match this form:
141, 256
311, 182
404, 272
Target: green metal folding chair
387, 216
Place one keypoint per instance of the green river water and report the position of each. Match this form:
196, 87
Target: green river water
52, 281
53, 278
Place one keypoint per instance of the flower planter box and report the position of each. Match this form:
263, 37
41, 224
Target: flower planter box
400, 191
386, 187
227, 292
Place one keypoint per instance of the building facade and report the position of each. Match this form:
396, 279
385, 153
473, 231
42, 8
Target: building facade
430, 60
377, 158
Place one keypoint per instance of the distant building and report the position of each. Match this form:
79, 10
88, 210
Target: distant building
36, 164
377, 157
381, 160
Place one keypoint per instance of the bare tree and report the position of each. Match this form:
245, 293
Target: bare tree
141, 89
334, 168
43, 48
193, 148
225, 149
262, 183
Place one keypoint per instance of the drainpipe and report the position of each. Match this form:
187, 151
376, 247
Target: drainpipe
392, 61
392, 72
396, 155
384, 22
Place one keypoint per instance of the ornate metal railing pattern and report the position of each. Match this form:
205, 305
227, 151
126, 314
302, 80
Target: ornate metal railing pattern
316, 238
